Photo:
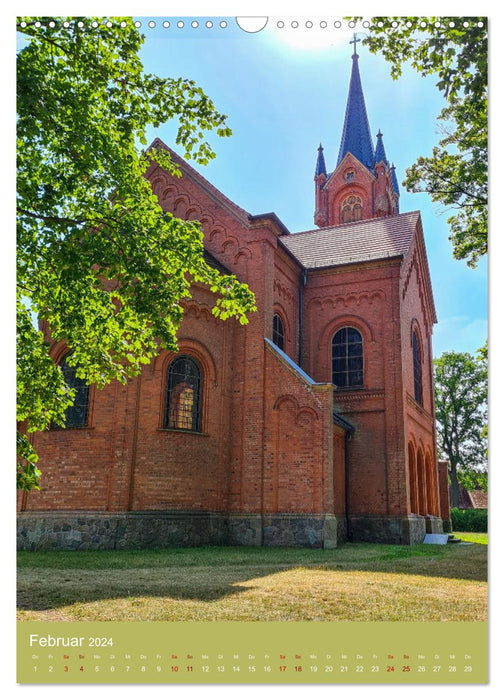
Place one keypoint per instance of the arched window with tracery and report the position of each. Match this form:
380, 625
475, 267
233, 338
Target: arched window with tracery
183, 395
417, 369
76, 416
351, 209
278, 332
347, 358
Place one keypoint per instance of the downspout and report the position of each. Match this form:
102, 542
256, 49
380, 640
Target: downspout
304, 275
348, 437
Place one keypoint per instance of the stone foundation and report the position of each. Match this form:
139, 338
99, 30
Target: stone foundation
148, 530
388, 530
71, 530
286, 530
447, 525
91, 530
434, 525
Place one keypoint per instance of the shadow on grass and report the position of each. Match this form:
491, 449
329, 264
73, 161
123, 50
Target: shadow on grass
48, 580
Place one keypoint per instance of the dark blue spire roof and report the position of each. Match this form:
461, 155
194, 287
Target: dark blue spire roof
320, 168
356, 137
379, 156
395, 184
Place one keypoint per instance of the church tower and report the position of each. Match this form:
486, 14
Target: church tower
363, 184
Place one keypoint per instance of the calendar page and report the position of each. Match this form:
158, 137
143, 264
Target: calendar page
252, 360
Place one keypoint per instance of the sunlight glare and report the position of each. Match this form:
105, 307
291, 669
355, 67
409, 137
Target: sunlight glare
315, 34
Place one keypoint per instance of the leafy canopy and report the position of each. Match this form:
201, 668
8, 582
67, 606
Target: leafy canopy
98, 259
460, 392
455, 175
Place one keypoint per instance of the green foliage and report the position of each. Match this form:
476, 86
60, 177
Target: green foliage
98, 259
470, 520
472, 479
27, 475
460, 394
455, 175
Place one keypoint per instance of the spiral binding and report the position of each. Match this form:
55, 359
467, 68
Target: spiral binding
254, 24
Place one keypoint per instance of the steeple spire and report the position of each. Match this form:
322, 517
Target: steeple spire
380, 156
320, 168
356, 137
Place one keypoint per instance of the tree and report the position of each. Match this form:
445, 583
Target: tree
460, 392
98, 259
456, 173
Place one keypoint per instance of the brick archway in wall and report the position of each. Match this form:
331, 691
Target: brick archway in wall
413, 480
432, 500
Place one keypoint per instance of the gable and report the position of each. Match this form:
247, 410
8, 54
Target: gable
349, 161
158, 177
229, 231
416, 264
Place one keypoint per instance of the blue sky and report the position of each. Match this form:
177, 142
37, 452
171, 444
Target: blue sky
284, 91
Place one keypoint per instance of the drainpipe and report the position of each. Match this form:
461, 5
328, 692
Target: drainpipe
304, 274
348, 437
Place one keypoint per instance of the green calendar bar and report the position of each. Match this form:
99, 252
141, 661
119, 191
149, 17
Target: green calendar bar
252, 652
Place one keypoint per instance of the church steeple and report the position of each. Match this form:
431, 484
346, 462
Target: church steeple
363, 184
356, 137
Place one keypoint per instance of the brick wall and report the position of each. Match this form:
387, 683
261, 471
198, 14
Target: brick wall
364, 297
267, 441
417, 317
298, 448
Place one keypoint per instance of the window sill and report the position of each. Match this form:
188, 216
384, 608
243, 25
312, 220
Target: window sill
349, 388
185, 432
70, 427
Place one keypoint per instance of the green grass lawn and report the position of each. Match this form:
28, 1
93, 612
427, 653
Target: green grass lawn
357, 582
476, 537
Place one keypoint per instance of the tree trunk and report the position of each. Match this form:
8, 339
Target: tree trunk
454, 486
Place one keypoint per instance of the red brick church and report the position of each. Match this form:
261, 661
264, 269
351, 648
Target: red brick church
310, 426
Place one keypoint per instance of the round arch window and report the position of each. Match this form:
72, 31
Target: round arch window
278, 332
347, 358
183, 395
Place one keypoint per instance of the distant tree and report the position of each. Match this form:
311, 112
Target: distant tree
98, 259
455, 175
460, 391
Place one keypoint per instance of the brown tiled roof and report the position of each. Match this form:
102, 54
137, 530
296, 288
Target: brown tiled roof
472, 499
479, 498
360, 241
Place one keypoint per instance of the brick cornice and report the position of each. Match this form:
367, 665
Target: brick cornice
341, 395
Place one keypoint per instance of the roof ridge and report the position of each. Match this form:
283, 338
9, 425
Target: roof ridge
355, 223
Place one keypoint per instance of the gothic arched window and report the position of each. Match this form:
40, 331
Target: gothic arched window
351, 209
417, 369
347, 358
76, 416
183, 395
278, 332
